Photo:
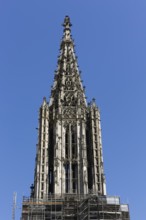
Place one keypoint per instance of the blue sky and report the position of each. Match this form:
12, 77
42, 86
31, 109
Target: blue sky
110, 38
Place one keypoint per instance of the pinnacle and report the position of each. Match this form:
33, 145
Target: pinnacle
67, 23
67, 31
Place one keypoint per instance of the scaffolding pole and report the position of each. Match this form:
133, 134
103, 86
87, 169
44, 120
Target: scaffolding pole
14, 205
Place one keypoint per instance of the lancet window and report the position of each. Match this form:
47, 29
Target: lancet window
74, 177
71, 168
67, 177
67, 150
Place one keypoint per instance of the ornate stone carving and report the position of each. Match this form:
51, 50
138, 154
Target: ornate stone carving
69, 113
69, 121
69, 84
69, 99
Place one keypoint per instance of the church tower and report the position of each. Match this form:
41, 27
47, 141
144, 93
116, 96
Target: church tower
69, 181
69, 155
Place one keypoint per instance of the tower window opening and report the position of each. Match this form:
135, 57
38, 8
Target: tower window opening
73, 141
50, 177
42, 186
74, 151
74, 178
51, 181
73, 138
67, 144
99, 187
67, 151
67, 181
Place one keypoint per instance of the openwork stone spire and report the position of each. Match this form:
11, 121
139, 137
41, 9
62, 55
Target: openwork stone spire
67, 89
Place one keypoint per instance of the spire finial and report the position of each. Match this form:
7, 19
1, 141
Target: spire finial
67, 31
67, 24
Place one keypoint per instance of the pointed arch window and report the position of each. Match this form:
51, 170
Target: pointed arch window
67, 177
67, 150
71, 167
74, 177
74, 142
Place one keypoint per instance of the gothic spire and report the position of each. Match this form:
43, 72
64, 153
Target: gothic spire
67, 89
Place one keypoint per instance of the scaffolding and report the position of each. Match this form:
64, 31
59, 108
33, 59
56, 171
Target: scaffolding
75, 207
